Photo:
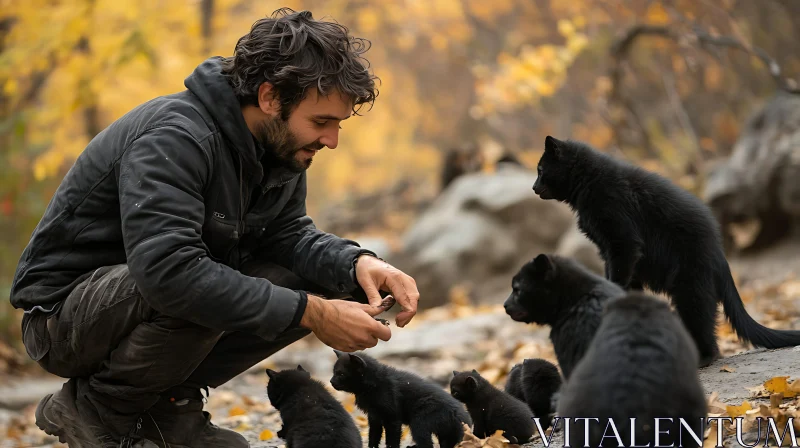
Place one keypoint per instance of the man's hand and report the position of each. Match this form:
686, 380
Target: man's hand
344, 325
374, 274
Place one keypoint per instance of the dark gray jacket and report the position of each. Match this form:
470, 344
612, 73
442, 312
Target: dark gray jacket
177, 190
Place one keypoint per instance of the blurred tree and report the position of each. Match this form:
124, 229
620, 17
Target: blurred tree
499, 74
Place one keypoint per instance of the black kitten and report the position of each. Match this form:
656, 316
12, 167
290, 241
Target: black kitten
392, 397
312, 418
491, 408
643, 364
652, 233
535, 381
562, 293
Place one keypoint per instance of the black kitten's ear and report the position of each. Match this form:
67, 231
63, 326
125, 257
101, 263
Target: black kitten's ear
475, 372
300, 368
338, 353
271, 373
455, 372
471, 383
551, 143
358, 362
542, 265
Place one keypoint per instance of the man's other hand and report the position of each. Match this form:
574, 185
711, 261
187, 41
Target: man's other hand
374, 274
344, 325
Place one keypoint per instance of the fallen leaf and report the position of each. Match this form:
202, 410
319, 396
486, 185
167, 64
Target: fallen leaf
265, 435
779, 385
727, 368
738, 411
236, 410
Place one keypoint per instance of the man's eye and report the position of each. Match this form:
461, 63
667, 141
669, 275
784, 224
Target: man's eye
320, 123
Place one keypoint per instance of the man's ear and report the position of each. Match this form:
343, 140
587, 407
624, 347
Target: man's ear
268, 99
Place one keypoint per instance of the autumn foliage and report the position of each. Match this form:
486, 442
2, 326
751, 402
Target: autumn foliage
502, 74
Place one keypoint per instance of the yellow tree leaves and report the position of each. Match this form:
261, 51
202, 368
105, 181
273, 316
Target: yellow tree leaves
536, 72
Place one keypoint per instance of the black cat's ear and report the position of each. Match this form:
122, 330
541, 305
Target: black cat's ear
542, 265
551, 143
338, 353
471, 383
475, 372
455, 372
358, 362
300, 368
271, 373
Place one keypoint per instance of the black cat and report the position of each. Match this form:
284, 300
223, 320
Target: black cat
652, 233
391, 397
535, 381
562, 293
641, 364
312, 418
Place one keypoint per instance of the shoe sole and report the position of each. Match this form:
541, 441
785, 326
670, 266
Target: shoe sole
67, 431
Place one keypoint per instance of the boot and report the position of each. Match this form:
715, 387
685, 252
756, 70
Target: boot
179, 421
58, 414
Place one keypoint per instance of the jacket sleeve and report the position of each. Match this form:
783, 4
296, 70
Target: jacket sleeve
294, 242
162, 176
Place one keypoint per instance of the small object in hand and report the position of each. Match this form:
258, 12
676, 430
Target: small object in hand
388, 302
383, 321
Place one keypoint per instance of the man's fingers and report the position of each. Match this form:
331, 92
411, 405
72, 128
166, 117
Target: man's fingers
371, 310
373, 296
407, 295
382, 332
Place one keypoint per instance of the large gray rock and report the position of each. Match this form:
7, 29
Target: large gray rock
576, 245
478, 233
760, 181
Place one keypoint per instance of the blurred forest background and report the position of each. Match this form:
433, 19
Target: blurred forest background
668, 84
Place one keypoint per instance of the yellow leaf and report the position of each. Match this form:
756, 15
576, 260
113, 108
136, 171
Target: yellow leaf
777, 384
727, 368
11, 87
236, 410
265, 435
656, 14
738, 411
566, 28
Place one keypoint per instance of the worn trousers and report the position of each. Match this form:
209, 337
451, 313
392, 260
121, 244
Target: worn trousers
107, 333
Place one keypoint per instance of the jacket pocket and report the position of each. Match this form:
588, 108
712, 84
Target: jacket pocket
220, 236
35, 336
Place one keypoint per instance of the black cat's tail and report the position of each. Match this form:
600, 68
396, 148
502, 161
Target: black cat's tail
745, 326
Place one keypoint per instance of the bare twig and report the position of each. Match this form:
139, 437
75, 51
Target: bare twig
683, 119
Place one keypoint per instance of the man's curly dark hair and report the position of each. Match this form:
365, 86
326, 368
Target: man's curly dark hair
293, 52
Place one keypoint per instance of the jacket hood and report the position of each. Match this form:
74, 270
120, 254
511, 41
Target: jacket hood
210, 86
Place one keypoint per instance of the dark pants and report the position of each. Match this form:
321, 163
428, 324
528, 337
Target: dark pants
129, 353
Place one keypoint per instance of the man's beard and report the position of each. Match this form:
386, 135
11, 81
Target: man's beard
281, 145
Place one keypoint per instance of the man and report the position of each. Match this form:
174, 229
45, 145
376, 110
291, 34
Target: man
177, 252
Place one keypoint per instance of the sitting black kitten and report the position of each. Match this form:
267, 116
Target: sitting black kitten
312, 418
535, 381
492, 409
641, 364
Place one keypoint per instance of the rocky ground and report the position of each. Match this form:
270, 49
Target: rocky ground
461, 336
